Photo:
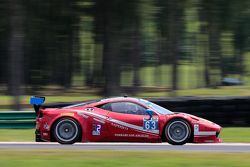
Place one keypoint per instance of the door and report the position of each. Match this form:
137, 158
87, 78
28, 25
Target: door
95, 127
129, 121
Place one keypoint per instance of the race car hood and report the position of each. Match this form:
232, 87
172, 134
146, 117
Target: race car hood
195, 118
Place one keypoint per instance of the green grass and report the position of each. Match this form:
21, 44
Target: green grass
17, 135
227, 134
72, 158
236, 135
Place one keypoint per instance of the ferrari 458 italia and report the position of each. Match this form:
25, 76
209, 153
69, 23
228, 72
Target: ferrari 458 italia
120, 119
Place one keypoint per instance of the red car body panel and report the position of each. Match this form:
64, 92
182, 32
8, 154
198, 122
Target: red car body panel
99, 125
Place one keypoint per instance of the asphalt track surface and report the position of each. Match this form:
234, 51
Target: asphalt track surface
221, 147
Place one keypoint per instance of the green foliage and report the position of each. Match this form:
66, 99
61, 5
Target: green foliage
175, 44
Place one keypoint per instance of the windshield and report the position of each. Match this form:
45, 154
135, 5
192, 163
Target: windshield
156, 107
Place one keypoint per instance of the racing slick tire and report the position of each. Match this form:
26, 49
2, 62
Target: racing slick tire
178, 132
67, 131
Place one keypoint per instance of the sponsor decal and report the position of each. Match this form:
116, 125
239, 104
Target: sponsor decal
141, 135
46, 126
130, 135
119, 126
197, 132
121, 135
150, 124
196, 127
96, 129
68, 114
98, 120
83, 115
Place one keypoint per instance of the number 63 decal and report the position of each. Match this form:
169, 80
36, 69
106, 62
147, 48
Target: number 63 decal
150, 124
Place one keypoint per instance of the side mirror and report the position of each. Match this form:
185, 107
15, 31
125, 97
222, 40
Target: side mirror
150, 113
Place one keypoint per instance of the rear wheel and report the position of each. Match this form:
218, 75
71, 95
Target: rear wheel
67, 131
178, 132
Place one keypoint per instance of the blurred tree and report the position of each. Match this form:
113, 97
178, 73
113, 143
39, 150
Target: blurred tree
174, 29
111, 22
131, 46
117, 24
203, 16
240, 26
162, 53
16, 50
52, 42
99, 29
211, 16
4, 35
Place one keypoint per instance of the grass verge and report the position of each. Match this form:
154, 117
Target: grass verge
72, 158
236, 135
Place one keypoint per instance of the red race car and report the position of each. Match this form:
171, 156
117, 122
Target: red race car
120, 119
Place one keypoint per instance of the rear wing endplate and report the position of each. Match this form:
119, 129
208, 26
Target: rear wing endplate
37, 101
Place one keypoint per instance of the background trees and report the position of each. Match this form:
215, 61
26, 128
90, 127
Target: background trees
122, 46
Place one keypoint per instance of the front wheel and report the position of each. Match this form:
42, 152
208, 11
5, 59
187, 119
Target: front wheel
178, 132
67, 131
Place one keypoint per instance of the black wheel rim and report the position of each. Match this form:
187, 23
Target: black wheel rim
66, 130
178, 131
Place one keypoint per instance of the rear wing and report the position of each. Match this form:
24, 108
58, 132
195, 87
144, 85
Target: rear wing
37, 101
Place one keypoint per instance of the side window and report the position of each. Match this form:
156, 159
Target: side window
128, 108
106, 107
